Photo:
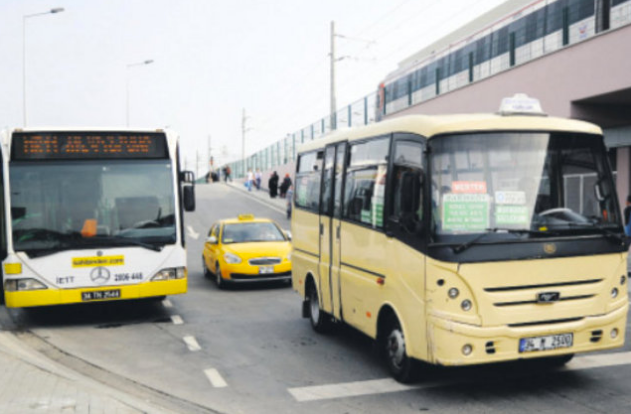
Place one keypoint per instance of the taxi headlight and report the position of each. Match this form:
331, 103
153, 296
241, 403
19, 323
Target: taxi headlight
289, 257
171, 273
231, 258
15, 285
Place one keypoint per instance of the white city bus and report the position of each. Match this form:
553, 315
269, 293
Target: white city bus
92, 215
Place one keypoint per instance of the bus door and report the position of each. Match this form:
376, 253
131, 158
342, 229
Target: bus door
326, 227
336, 250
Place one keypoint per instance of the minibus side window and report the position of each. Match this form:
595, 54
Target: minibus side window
308, 177
405, 221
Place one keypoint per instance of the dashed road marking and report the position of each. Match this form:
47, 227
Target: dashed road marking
192, 344
387, 385
177, 320
215, 378
192, 233
167, 303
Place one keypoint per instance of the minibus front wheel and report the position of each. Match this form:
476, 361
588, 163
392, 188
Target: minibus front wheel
320, 321
393, 347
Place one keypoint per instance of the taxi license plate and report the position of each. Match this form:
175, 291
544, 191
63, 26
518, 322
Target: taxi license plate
265, 270
100, 295
545, 343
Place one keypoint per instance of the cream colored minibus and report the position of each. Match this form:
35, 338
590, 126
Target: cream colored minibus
463, 239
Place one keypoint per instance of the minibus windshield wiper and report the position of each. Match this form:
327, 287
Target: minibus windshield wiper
602, 229
464, 246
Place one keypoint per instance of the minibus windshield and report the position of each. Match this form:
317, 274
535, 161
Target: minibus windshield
521, 185
58, 205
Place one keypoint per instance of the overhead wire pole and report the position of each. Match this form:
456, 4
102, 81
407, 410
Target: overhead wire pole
244, 129
333, 103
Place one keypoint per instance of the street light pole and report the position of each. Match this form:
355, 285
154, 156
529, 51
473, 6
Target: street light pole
131, 65
333, 103
28, 16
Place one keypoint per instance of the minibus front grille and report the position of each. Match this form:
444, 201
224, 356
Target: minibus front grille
530, 302
548, 322
548, 285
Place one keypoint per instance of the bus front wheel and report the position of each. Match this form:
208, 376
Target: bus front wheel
401, 367
320, 320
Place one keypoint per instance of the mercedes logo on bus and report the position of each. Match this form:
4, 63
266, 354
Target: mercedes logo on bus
100, 275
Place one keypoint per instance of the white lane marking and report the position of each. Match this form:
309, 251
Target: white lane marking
386, 385
192, 233
192, 344
167, 303
177, 320
215, 378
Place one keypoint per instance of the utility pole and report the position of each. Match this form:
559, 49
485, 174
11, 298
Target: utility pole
244, 129
333, 103
197, 163
210, 152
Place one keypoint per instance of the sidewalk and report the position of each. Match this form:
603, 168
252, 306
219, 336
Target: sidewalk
32, 383
262, 195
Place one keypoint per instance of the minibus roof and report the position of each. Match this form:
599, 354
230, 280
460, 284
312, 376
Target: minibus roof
430, 126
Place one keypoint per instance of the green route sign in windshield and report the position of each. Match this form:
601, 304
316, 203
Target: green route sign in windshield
466, 212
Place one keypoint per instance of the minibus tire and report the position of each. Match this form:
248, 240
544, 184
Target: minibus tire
401, 366
320, 321
205, 268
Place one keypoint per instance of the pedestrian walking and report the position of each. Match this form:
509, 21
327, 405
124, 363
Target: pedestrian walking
228, 172
285, 186
257, 177
249, 180
627, 217
273, 185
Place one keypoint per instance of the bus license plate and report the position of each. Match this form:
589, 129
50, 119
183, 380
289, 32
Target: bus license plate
545, 343
101, 294
265, 270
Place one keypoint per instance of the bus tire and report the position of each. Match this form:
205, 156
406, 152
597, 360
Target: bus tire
393, 347
221, 284
320, 320
205, 268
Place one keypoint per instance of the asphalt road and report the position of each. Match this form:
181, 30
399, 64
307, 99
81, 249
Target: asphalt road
247, 350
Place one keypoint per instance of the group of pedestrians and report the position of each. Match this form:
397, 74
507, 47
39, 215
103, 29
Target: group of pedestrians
253, 179
274, 187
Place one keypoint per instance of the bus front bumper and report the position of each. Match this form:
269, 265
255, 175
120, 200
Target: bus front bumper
44, 297
501, 343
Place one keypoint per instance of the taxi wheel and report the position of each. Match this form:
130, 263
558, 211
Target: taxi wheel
401, 367
205, 268
218, 279
320, 321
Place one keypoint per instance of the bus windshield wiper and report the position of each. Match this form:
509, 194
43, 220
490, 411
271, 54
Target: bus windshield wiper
124, 241
464, 246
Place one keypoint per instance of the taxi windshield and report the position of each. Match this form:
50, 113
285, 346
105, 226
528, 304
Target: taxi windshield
526, 183
251, 232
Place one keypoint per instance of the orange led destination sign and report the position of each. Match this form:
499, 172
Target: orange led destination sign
87, 145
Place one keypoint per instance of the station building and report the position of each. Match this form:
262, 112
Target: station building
573, 55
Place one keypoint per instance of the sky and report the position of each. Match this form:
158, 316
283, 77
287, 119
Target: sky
211, 60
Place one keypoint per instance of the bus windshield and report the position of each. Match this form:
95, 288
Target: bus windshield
60, 205
524, 183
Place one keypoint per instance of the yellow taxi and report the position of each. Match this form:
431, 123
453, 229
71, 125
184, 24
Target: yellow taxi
247, 249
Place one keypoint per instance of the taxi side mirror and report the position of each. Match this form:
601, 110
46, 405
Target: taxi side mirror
288, 234
212, 240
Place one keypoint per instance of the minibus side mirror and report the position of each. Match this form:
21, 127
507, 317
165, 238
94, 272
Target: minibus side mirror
189, 198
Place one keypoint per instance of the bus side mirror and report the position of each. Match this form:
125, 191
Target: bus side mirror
189, 198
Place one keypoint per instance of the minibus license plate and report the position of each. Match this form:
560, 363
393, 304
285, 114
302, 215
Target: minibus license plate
101, 294
265, 270
544, 343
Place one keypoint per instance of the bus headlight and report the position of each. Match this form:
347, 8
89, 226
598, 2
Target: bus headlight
170, 274
16, 285
231, 258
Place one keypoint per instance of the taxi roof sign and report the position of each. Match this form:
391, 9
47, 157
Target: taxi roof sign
521, 104
246, 217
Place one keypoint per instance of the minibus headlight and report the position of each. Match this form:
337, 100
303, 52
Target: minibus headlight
231, 258
21, 285
453, 293
466, 305
614, 293
170, 274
